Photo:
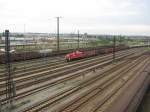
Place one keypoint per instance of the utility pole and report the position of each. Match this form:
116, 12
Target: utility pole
0, 105
9, 79
78, 39
58, 47
120, 39
114, 47
24, 45
149, 42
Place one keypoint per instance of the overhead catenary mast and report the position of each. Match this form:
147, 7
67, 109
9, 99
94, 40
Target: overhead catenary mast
78, 39
114, 48
24, 44
58, 39
10, 88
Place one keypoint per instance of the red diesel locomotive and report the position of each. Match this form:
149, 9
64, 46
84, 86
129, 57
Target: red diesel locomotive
79, 54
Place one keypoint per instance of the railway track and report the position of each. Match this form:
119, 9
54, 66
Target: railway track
113, 88
106, 107
67, 90
36, 63
38, 88
45, 73
41, 68
87, 89
25, 93
31, 64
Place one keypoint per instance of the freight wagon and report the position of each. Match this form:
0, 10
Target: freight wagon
22, 56
84, 54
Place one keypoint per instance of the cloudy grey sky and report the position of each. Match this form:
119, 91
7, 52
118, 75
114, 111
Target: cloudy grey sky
91, 16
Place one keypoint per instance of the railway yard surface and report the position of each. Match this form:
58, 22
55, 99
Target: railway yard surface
94, 84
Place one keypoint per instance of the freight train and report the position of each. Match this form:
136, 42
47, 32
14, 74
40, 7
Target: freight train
84, 52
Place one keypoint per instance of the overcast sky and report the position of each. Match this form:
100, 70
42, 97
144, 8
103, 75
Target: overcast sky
91, 16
